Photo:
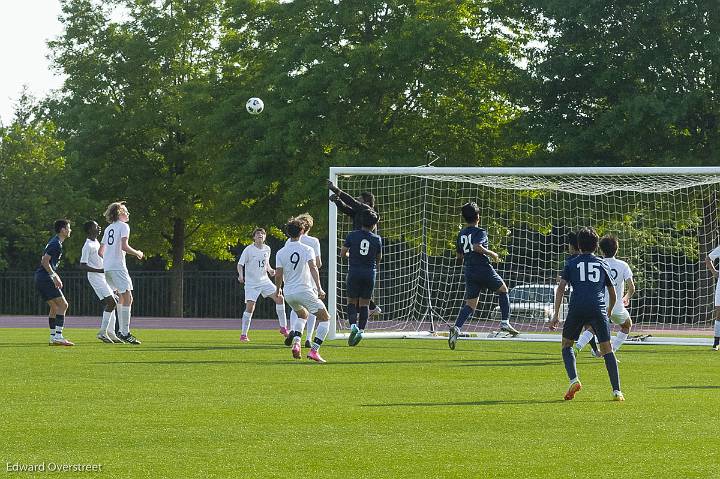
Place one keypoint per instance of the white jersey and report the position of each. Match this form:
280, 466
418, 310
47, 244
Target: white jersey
114, 257
293, 259
312, 242
91, 257
256, 262
620, 272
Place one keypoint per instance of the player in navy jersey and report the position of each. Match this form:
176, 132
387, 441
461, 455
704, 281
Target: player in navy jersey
352, 207
473, 252
589, 276
587, 335
364, 249
49, 284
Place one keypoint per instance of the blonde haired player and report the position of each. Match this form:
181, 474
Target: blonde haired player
307, 223
113, 248
295, 267
253, 268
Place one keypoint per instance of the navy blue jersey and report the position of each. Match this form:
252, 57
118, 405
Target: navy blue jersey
364, 246
467, 237
588, 275
53, 249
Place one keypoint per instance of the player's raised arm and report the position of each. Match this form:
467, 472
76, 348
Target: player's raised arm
630, 291
344, 252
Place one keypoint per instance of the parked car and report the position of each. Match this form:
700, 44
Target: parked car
532, 302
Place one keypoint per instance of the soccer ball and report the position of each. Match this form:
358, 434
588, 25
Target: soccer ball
254, 106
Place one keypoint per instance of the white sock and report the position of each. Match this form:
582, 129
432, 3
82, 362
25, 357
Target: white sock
105, 321
247, 317
717, 328
321, 333
619, 339
584, 338
124, 318
111, 322
280, 310
310, 326
293, 320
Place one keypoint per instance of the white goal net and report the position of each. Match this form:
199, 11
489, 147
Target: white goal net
665, 218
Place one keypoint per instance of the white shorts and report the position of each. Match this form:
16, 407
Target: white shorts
304, 299
99, 285
253, 292
119, 280
619, 317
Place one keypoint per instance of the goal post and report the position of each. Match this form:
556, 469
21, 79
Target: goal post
665, 220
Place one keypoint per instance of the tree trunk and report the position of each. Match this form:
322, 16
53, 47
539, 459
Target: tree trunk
177, 305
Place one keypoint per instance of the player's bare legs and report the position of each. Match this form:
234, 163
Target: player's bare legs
357, 330
58, 308
323, 325
612, 369
465, 312
622, 335
280, 311
716, 340
246, 319
504, 303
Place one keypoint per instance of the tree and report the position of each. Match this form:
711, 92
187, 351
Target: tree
34, 190
131, 112
370, 83
624, 83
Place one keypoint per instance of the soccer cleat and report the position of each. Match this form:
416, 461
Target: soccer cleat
453, 336
51, 341
129, 338
308, 344
284, 331
296, 351
715, 348
104, 338
353, 331
618, 396
244, 338
114, 338
315, 356
373, 312
595, 354
572, 390
289, 338
356, 339
509, 329
62, 342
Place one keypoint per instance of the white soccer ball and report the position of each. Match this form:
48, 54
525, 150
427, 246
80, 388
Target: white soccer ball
254, 106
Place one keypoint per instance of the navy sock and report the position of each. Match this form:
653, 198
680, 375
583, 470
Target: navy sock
352, 314
716, 342
464, 314
364, 313
569, 359
593, 344
60, 320
504, 303
51, 322
612, 369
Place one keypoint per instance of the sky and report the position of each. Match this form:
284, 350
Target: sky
25, 27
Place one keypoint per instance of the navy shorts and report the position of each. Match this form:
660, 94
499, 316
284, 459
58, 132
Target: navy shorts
479, 281
360, 284
576, 321
46, 288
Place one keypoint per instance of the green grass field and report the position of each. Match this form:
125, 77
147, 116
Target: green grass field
198, 404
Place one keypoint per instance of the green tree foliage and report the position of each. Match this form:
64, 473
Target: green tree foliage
624, 83
34, 190
364, 83
131, 112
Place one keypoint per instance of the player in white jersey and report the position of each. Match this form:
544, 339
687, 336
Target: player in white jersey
91, 262
253, 268
295, 267
621, 275
710, 263
113, 248
307, 221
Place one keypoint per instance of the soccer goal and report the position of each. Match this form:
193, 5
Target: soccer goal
665, 218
